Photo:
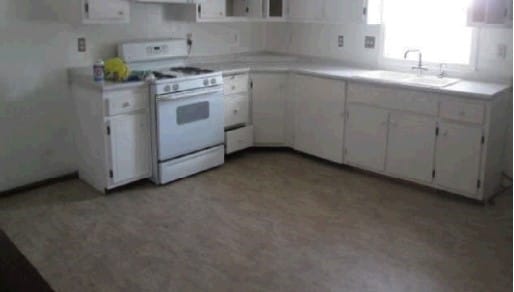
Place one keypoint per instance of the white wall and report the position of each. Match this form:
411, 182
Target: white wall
320, 40
38, 40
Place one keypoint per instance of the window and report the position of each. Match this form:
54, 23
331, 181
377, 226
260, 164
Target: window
436, 27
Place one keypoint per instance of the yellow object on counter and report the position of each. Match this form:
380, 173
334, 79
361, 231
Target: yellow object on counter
116, 70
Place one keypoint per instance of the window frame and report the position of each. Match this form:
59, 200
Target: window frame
400, 64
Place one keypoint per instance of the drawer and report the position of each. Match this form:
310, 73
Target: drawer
238, 139
125, 101
463, 111
236, 110
235, 84
394, 98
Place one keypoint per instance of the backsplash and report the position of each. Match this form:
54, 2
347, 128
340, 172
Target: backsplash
321, 40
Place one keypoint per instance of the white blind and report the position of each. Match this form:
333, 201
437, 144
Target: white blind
436, 27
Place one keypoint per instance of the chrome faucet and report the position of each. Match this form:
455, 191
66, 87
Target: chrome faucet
420, 67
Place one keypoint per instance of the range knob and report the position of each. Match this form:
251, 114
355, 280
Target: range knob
167, 88
213, 81
175, 87
206, 82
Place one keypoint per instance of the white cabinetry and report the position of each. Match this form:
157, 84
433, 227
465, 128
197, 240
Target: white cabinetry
238, 129
366, 136
105, 11
319, 116
448, 142
458, 154
112, 135
128, 137
410, 149
490, 13
212, 9
268, 108
305, 10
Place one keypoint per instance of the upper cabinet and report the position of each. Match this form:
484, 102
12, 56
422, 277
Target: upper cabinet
105, 11
490, 13
305, 10
228, 10
212, 9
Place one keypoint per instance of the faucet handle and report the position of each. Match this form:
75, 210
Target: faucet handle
442, 72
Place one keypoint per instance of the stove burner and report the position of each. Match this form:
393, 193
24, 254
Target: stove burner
191, 70
160, 75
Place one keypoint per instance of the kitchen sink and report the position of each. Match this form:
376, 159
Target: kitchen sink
408, 78
433, 81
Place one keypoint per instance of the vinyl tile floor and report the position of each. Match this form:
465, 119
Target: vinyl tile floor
265, 221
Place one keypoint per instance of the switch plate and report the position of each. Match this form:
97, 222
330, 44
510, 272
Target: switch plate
369, 42
340, 41
501, 51
81, 43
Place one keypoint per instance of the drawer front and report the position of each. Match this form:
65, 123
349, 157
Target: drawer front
463, 111
394, 98
239, 139
235, 84
125, 101
236, 110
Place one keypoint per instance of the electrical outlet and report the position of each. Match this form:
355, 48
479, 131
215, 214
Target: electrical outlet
501, 51
81, 43
340, 41
369, 42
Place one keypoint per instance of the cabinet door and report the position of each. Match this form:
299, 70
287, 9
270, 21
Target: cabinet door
106, 10
213, 9
129, 139
255, 8
319, 117
410, 149
366, 136
306, 9
269, 108
458, 153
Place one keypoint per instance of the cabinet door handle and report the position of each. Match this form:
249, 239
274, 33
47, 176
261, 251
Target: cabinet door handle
126, 104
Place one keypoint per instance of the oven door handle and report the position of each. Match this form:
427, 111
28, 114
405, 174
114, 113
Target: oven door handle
186, 94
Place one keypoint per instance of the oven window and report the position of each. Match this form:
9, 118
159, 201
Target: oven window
192, 112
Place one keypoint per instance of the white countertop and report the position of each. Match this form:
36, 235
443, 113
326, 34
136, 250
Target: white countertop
471, 89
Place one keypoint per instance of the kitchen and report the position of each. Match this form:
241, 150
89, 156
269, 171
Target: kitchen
297, 76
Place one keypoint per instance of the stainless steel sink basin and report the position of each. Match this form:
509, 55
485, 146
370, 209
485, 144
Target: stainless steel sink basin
408, 79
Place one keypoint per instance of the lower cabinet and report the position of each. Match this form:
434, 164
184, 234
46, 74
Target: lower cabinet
268, 108
410, 149
458, 155
238, 139
319, 116
128, 139
366, 136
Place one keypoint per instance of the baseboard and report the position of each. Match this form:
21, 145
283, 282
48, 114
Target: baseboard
39, 184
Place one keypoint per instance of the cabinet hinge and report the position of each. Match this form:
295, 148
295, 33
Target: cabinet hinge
199, 9
479, 184
483, 140
251, 84
433, 173
111, 173
437, 131
365, 11
86, 7
108, 130
247, 10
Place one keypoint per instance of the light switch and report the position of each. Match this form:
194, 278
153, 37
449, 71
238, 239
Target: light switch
340, 41
501, 51
369, 42
81, 45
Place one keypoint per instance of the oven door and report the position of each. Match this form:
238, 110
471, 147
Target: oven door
188, 122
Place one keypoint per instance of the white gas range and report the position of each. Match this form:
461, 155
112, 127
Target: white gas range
187, 110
